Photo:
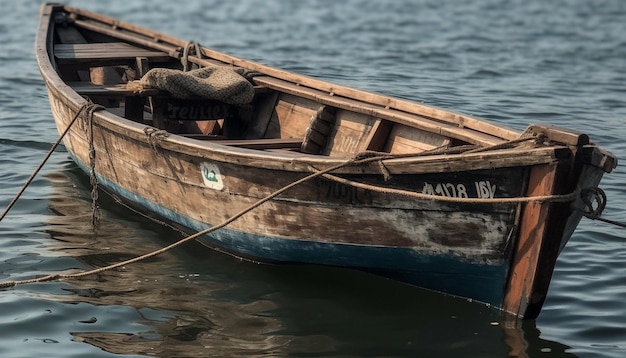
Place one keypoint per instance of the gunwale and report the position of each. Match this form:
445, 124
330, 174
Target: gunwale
157, 39
173, 46
301, 161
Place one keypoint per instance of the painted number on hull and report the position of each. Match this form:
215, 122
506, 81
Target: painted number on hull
345, 193
484, 190
211, 176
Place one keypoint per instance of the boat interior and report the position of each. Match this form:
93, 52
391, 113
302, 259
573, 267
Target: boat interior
98, 60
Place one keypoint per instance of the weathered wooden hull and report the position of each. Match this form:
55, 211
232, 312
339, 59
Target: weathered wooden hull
460, 249
434, 245
501, 254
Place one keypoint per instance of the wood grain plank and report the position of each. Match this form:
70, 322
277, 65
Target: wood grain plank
404, 140
409, 119
68, 52
118, 90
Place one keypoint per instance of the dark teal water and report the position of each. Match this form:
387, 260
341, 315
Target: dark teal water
512, 62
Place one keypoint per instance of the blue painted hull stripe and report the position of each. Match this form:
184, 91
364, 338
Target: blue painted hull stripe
445, 273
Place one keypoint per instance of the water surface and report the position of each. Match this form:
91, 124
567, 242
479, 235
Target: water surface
514, 63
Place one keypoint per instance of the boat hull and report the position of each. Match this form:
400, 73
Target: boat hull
470, 234
460, 249
440, 271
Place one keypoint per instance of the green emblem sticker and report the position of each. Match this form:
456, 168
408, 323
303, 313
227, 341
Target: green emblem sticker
211, 176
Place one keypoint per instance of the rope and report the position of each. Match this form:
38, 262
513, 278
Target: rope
59, 276
370, 156
587, 195
89, 108
590, 196
358, 159
154, 137
612, 222
552, 198
93, 179
185, 58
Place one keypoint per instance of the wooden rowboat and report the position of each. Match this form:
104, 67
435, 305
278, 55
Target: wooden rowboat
418, 194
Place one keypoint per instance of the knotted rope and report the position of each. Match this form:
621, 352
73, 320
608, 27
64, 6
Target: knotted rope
592, 211
154, 137
191, 45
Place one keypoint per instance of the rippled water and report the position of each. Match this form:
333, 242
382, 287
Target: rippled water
512, 62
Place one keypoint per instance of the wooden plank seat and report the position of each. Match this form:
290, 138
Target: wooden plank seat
104, 53
133, 100
286, 144
263, 143
120, 90
117, 90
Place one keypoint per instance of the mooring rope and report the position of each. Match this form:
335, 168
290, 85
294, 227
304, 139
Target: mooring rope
88, 107
587, 195
361, 158
58, 276
593, 212
612, 222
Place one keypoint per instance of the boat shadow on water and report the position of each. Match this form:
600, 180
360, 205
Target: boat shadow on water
195, 302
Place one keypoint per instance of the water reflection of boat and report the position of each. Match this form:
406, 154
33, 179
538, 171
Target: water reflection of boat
186, 303
173, 293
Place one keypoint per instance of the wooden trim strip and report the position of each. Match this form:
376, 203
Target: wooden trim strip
265, 143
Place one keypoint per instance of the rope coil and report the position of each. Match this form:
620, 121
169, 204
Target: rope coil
589, 196
592, 211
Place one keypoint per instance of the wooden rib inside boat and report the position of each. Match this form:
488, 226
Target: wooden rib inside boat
446, 204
